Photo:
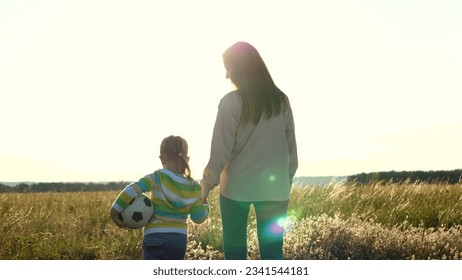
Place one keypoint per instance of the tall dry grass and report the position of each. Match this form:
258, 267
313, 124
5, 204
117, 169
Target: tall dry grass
418, 204
338, 221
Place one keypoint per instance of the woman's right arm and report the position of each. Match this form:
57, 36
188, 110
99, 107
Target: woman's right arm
222, 145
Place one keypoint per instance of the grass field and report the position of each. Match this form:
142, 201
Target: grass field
338, 221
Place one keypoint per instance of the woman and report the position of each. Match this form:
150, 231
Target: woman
253, 155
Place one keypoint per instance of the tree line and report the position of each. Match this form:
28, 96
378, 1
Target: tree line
442, 176
446, 177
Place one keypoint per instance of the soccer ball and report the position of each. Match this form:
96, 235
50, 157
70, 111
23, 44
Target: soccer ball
138, 213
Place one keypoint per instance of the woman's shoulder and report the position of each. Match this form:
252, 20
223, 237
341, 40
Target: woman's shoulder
231, 102
231, 97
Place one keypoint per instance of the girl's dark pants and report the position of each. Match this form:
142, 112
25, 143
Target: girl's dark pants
164, 246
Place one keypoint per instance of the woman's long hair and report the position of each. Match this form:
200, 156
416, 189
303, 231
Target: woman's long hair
248, 72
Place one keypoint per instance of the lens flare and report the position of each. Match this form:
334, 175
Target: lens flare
276, 228
281, 225
281, 221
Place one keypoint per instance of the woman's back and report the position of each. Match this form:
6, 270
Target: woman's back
261, 157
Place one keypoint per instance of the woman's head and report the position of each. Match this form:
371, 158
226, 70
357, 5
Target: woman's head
243, 64
248, 72
174, 155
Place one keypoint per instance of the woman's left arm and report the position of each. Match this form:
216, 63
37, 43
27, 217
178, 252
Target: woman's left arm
292, 143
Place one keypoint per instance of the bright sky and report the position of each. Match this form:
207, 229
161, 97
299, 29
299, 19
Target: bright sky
88, 89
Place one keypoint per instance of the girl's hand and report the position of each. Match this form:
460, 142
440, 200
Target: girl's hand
115, 218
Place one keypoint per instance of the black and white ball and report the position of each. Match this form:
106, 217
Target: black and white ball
138, 212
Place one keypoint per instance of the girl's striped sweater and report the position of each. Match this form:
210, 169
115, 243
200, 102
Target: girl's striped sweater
174, 198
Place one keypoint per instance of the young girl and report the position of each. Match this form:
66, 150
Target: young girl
175, 196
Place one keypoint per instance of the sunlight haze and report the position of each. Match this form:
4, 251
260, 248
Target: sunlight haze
88, 89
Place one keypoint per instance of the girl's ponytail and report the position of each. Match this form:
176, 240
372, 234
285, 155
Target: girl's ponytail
175, 149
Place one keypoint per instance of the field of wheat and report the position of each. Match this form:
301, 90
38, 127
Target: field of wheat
338, 221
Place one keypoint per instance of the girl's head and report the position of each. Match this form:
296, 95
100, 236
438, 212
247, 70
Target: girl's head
174, 155
248, 72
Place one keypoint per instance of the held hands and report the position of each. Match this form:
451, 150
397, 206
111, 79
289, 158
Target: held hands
205, 189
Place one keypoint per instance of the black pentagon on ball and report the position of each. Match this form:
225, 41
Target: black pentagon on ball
147, 201
137, 216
